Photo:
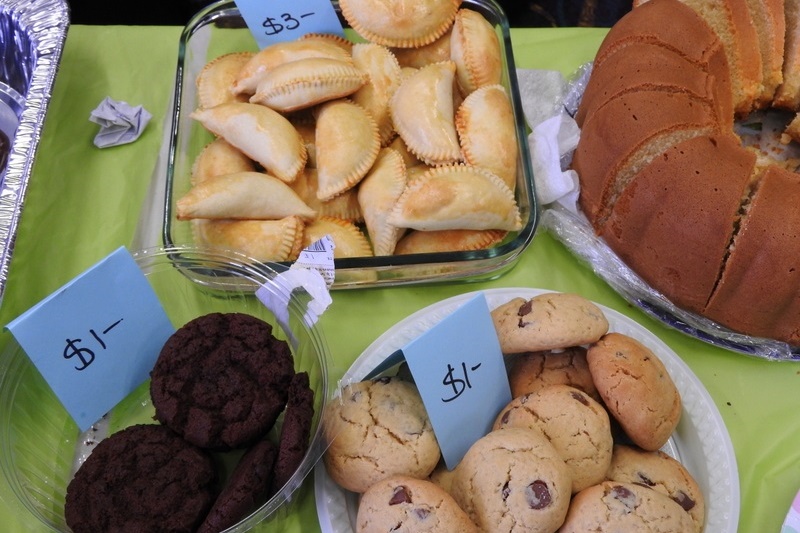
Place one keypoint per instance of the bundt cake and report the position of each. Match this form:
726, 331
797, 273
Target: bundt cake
664, 179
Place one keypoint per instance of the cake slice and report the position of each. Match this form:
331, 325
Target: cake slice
768, 20
674, 223
652, 65
759, 290
733, 24
686, 33
788, 94
628, 132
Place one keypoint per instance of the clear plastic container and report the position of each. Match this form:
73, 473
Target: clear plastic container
41, 447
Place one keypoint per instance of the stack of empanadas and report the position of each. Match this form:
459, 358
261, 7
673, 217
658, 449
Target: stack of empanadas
402, 142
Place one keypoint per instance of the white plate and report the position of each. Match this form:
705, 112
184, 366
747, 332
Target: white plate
701, 441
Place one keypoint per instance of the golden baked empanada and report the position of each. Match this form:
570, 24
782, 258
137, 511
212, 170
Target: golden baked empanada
448, 240
423, 114
215, 81
306, 129
400, 23
377, 194
415, 171
262, 240
275, 54
219, 157
399, 145
383, 72
487, 132
307, 82
242, 195
347, 144
344, 206
263, 134
332, 38
475, 49
457, 197
347, 238
438, 50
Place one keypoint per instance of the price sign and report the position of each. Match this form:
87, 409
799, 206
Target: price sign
96, 339
459, 369
276, 21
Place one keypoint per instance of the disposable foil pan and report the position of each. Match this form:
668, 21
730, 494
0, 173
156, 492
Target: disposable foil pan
32, 35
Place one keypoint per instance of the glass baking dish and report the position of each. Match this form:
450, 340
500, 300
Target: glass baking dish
220, 29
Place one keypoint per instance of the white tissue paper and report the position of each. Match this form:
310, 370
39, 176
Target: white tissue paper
120, 123
553, 138
313, 272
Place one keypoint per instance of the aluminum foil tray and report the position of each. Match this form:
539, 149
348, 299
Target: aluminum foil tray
32, 35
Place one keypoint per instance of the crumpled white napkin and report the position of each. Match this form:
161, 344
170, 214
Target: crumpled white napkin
120, 123
549, 142
554, 136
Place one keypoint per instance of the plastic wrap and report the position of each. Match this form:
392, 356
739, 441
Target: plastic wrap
565, 221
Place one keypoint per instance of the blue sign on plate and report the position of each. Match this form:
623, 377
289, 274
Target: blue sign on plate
276, 21
459, 369
97, 338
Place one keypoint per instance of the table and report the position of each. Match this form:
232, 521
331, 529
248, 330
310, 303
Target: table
84, 202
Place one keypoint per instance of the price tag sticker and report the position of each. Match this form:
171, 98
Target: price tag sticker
96, 339
459, 369
276, 21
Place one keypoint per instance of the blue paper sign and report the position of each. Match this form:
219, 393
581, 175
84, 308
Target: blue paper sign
459, 369
276, 21
97, 338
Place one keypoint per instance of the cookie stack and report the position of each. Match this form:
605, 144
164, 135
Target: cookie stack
578, 448
218, 387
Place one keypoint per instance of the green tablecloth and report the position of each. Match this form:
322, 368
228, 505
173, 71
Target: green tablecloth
84, 202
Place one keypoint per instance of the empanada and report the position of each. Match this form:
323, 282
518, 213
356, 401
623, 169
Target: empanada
271, 56
400, 23
487, 132
423, 114
475, 49
263, 134
347, 142
457, 197
216, 79
347, 238
383, 72
377, 194
438, 50
219, 157
242, 195
306, 82
448, 240
262, 240
344, 206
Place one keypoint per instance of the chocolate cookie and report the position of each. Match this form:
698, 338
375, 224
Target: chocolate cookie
295, 431
142, 478
221, 380
246, 489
